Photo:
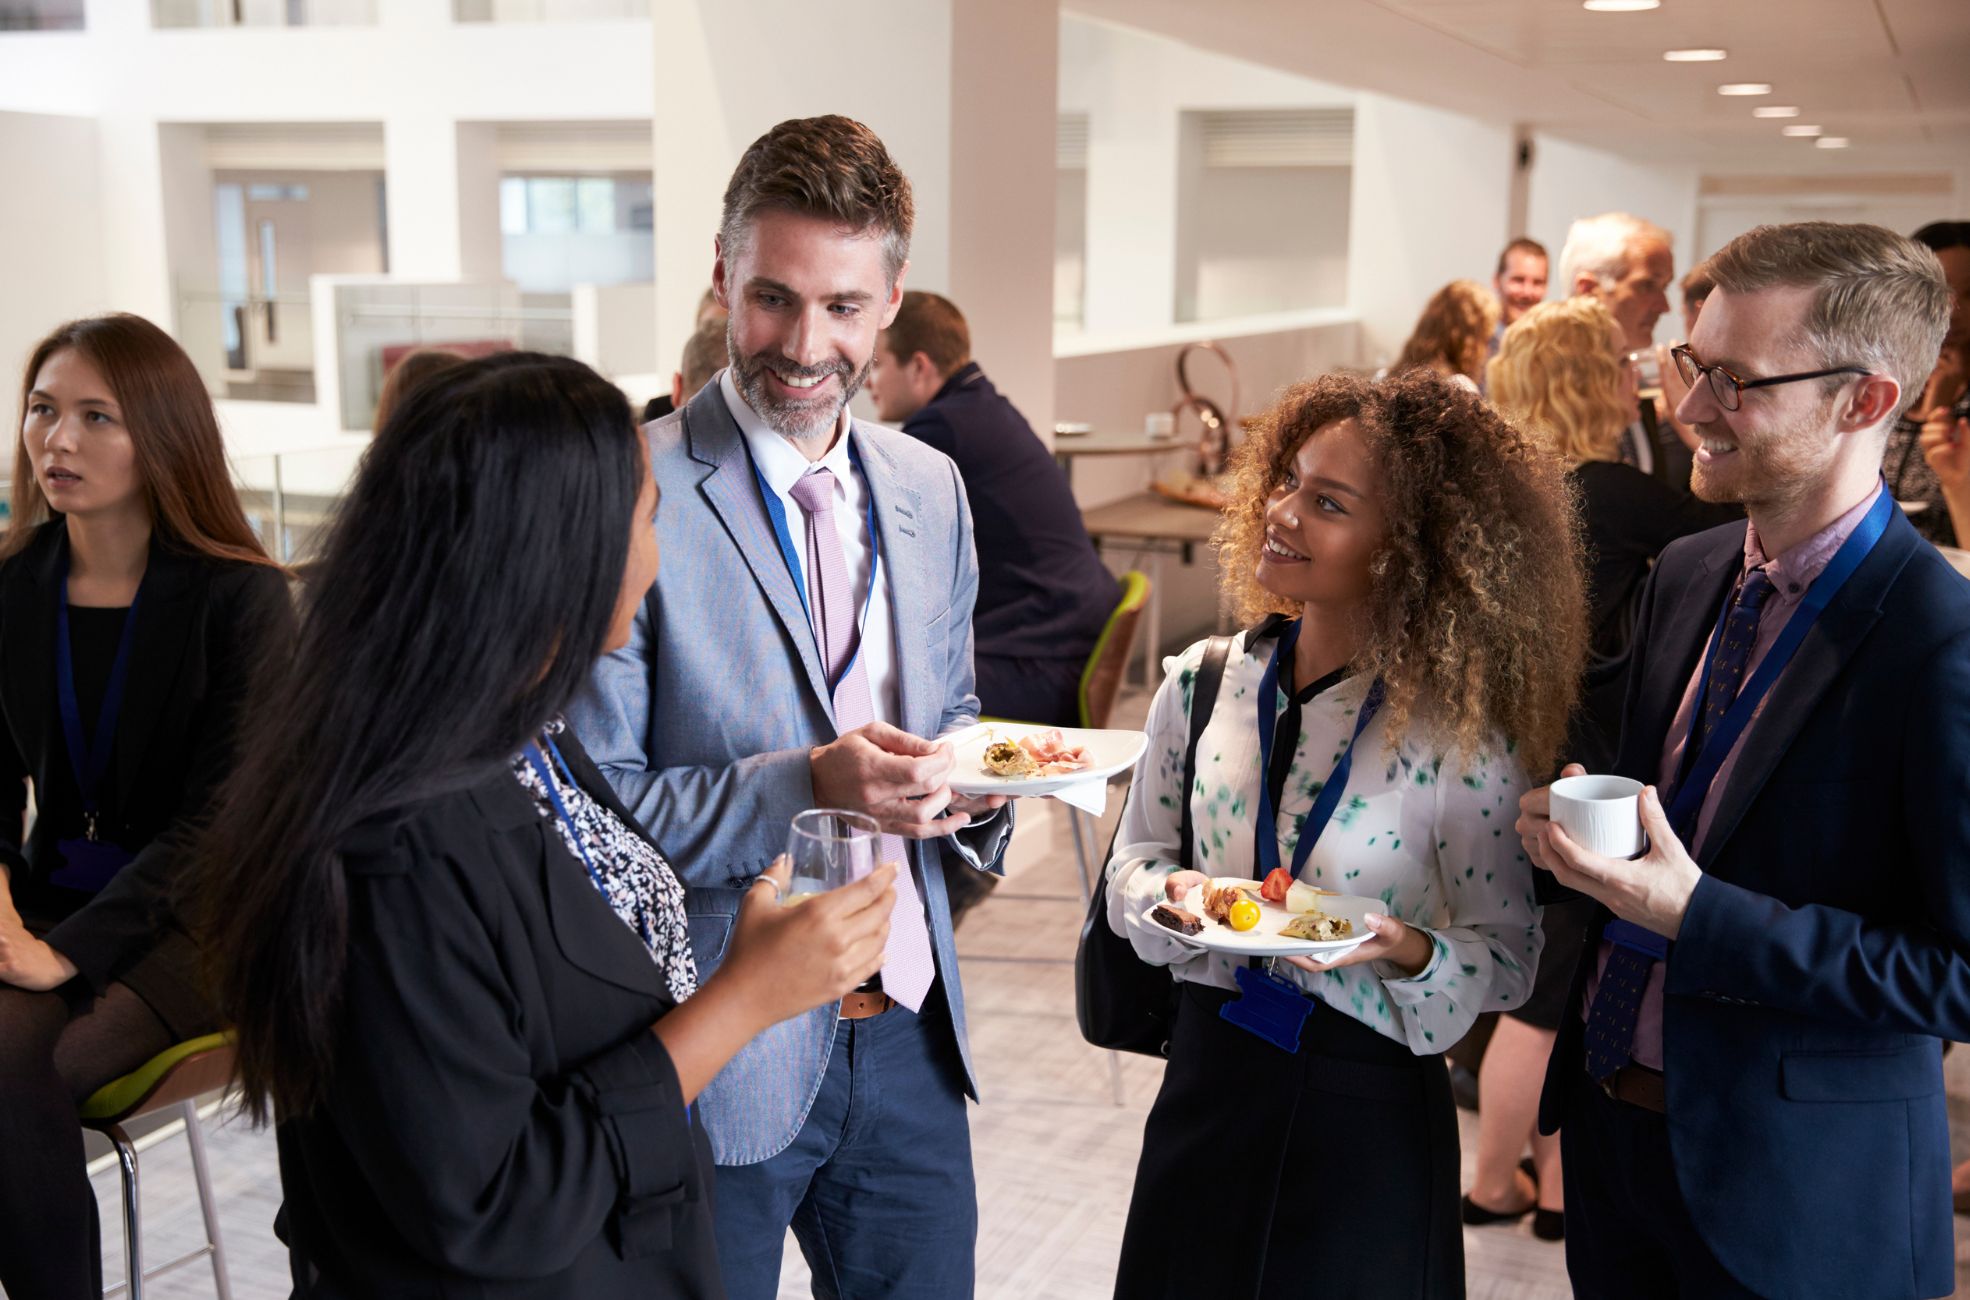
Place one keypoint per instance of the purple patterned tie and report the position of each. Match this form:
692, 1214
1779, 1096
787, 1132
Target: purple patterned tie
907, 965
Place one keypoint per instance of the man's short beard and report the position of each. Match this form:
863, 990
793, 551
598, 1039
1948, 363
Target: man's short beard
797, 421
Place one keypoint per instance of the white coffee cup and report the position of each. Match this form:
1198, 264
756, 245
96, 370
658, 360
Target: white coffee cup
1601, 813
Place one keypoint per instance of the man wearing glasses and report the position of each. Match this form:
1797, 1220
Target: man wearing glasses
1749, 1080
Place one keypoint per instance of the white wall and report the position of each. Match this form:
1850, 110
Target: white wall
1721, 219
53, 240
1134, 88
1431, 193
1570, 181
615, 329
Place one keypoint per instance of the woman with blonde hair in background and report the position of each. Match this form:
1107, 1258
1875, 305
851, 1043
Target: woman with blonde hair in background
1453, 335
1561, 376
1412, 565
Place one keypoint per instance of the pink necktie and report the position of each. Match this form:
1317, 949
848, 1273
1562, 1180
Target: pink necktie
907, 965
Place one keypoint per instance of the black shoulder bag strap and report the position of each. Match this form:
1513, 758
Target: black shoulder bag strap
1122, 1002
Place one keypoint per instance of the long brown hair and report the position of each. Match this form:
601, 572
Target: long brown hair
1477, 614
181, 457
1453, 332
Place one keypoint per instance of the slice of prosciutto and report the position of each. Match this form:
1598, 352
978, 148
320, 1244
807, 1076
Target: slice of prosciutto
1052, 752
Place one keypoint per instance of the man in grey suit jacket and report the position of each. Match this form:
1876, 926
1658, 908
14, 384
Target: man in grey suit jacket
794, 655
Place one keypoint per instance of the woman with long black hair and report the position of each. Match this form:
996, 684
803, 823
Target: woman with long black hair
460, 975
134, 602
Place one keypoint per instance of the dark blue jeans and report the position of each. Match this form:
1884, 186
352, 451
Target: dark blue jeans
877, 1185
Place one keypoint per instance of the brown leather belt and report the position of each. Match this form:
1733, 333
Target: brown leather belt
1638, 1086
860, 1006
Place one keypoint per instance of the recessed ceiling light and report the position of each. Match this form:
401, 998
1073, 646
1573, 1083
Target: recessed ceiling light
1831, 142
1693, 56
1745, 88
1620, 6
1800, 132
1776, 110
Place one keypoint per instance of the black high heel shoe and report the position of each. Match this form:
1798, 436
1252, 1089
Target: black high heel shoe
1476, 1216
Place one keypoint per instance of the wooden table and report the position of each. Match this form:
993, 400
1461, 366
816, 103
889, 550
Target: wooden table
1154, 526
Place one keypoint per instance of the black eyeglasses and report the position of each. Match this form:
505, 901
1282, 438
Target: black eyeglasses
1728, 388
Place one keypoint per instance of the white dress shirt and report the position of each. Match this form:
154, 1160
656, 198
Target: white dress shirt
781, 464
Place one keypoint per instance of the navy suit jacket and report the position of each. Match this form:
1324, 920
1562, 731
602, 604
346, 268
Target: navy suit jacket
1043, 592
1826, 951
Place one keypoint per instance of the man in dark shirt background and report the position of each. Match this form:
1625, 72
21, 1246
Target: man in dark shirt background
1043, 594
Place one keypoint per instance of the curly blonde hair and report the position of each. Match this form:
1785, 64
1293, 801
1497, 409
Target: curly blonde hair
1454, 331
1477, 612
1558, 377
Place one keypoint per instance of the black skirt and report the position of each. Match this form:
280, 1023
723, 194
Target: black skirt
168, 978
1565, 926
1327, 1172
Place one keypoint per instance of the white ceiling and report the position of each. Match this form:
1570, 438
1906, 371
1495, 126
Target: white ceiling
1893, 76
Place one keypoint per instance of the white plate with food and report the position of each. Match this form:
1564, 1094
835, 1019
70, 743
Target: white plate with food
1022, 759
1309, 922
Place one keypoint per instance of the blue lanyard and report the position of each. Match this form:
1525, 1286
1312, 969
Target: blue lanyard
90, 764
1329, 799
777, 512
1695, 784
539, 765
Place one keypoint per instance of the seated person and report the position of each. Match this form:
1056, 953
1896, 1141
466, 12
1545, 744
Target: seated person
1043, 594
704, 356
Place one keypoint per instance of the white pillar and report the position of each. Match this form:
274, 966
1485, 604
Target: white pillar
441, 188
1005, 63
961, 92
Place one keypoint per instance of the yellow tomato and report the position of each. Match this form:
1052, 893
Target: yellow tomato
1244, 914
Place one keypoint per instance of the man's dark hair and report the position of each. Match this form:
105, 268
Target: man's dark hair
931, 324
1522, 245
829, 167
1698, 283
1942, 235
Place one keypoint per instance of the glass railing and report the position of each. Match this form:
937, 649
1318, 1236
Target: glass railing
546, 11
377, 324
41, 15
262, 13
289, 498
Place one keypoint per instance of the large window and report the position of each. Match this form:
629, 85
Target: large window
40, 15
560, 231
262, 13
1070, 220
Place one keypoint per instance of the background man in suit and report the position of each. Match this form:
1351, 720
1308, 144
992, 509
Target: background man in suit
808, 634
1043, 594
1748, 1080
1628, 264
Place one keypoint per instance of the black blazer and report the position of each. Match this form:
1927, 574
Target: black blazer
501, 1122
1043, 592
202, 626
1629, 518
1827, 947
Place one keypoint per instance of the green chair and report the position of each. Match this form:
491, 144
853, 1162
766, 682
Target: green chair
176, 1077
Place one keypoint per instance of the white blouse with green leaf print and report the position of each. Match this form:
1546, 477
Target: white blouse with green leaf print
1427, 832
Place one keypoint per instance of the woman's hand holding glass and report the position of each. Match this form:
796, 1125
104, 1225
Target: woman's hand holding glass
792, 959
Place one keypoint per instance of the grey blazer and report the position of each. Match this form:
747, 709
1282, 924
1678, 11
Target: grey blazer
703, 722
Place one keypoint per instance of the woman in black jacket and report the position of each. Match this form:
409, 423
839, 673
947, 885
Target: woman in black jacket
459, 972
134, 602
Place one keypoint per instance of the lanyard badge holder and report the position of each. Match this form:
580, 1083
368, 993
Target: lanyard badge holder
1268, 1006
91, 862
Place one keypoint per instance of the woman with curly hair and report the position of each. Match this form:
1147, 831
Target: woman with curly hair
1412, 567
1453, 335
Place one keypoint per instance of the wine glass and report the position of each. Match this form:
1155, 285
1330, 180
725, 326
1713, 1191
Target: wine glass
830, 847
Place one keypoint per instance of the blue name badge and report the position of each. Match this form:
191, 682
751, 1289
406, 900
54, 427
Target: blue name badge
1269, 1007
89, 864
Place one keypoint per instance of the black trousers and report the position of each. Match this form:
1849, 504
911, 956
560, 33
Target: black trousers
1629, 1235
1030, 690
1327, 1172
